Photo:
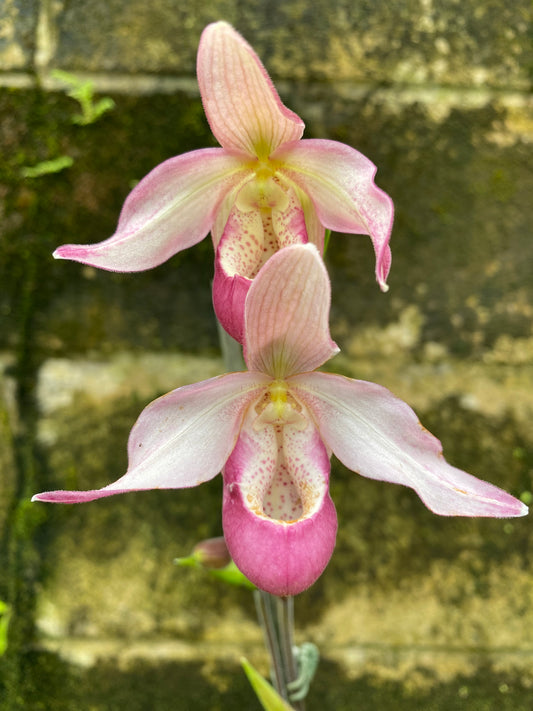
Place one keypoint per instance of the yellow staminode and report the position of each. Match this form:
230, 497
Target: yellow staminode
262, 193
278, 406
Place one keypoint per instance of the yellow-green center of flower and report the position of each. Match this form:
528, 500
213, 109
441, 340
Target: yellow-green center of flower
262, 193
278, 406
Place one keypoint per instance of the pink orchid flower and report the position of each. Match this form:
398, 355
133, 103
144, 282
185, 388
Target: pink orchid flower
272, 429
262, 190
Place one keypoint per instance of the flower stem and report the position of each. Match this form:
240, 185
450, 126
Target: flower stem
285, 613
263, 603
231, 351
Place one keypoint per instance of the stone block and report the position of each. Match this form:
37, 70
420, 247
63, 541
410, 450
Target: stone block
449, 44
18, 26
133, 37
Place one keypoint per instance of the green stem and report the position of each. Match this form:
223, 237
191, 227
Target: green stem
285, 610
263, 603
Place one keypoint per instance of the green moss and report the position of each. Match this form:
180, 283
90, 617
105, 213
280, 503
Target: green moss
83, 205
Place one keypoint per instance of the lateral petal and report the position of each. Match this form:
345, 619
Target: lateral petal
287, 312
340, 182
171, 209
379, 436
241, 104
279, 521
181, 439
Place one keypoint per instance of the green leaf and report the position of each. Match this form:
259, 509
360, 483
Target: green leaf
267, 695
46, 167
82, 91
233, 576
5, 614
230, 574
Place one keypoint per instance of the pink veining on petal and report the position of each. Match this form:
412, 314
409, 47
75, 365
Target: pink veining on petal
172, 208
287, 314
279, 521
340, 182
241, 104
181, 439
379, 436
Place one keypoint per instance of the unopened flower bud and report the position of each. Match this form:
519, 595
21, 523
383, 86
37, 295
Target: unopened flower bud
212, 553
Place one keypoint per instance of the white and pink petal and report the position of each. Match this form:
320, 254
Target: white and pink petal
181, 439
340, 182
379, 436
172, 208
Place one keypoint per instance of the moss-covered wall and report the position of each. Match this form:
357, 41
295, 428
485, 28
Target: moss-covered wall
414, 611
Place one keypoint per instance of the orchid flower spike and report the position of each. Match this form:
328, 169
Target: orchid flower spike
272, 429
262, 190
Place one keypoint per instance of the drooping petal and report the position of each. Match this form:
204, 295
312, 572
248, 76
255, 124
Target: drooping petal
241, 104
171, 209
279, 521
260, 223
340, 182
181, 439
379, 436
287, 312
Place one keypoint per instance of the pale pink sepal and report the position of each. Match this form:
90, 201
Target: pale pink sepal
379, 436
181, 439
279, 520
287, 312
171, 209
340, 182
241, 104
